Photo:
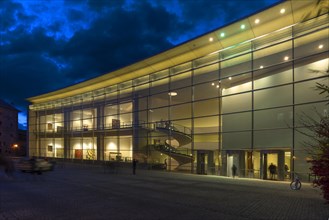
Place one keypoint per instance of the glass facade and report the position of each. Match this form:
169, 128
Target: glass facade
239, 105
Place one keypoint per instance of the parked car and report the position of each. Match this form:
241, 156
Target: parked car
34, 165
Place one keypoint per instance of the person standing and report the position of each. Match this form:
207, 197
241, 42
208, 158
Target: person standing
272, 169
234, 168
134, 166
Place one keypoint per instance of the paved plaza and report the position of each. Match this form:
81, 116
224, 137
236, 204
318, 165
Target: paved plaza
92, 192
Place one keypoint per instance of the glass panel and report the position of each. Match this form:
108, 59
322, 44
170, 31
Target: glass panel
236, 84
272, 38
181, 80
311, 25
180, 68
205, 91
111, 148
126, 120
231, 142
236, 103
159, 75
309, 68
273, 97
207, 107
311, 44
206, 125
159, 114
231, 67
142, 103
125, 148
273, 55
183, 95
272, 76
281, 138
142, 117
206, 74
126, 107
306, 92
142, 89
160, 86
236, 122
273, 118
313, 111
141, 80
206, 142
159, 100
236, 50
181, 111
209, 59
126, 92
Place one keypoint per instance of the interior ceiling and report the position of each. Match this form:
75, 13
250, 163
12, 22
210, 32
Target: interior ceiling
270, 20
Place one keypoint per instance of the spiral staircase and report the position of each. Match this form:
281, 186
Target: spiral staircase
171, 144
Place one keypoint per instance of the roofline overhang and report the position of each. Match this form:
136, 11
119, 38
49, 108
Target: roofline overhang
190, 50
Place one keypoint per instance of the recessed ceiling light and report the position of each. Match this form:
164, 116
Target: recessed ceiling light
320, 46
286, 58
257, 21
222, 34
261, 67
172, 93
229, 78
243, 26
211, 39
212, 84
282, 11
217, 86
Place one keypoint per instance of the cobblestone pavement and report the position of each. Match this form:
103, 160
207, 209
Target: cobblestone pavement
84, 192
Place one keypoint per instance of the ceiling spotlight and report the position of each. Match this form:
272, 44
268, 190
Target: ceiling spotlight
172, 93
320, 46
257, 21
217, 86
243, 26
212, 84
261, 67
286, 58
282, 11
222, 34
211, 39
229, 78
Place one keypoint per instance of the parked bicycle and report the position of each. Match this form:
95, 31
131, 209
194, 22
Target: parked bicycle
296, 184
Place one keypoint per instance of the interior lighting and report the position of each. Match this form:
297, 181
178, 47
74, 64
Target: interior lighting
286, 58
229, 78
243, 26
261, 67
282, 11
172, 93
257, 21
320, 46
217, 86
222, 34
211, 39
212, 84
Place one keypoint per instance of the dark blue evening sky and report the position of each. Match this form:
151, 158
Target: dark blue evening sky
50, 44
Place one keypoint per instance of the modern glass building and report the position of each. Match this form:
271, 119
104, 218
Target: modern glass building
232, 96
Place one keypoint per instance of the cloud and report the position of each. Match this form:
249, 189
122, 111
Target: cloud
48, 45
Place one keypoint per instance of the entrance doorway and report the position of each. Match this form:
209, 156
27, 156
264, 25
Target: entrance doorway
275, 164
232, 160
